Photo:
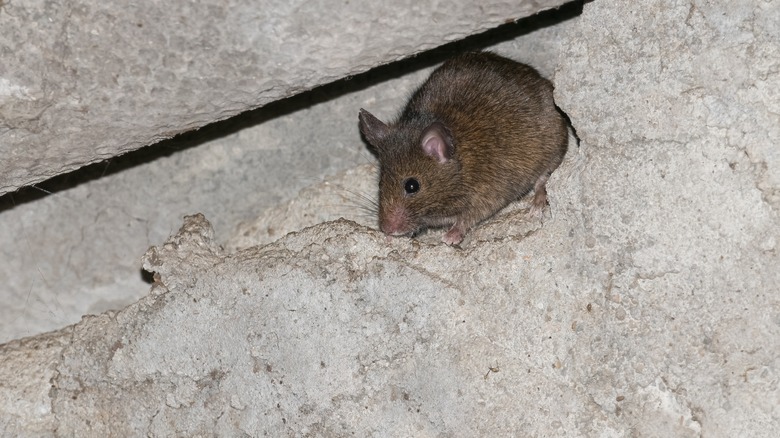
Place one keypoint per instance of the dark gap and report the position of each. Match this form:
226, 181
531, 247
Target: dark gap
146, 276
280, 108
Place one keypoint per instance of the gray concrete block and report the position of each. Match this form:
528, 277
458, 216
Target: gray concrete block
83, 82
677, 213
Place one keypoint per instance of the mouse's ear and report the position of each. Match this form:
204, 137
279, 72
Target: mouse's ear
437, 142
372, 128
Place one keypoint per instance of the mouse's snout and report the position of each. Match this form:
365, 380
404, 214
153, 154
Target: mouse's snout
395, 221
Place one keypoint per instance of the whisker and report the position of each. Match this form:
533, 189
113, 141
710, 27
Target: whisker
365, 202
351, 211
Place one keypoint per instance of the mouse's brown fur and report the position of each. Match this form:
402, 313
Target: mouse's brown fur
481, 132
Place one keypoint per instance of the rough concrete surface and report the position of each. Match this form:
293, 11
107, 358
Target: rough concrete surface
230, 171
348, 335
647, 303
52, 276
678, 213
83, 81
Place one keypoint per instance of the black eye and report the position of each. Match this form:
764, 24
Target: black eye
411, 186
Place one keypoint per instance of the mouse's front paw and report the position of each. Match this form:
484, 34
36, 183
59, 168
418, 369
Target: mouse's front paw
454, 236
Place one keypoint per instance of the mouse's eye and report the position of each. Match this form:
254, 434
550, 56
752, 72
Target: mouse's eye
411, 186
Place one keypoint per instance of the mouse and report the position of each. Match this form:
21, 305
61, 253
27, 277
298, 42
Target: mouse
481, 132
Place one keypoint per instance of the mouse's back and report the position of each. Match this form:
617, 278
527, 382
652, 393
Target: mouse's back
497, 110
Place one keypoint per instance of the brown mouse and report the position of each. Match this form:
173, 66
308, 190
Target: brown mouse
481, 132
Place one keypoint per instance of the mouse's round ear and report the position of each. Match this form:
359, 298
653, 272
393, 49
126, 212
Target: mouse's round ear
437, 142
373, 129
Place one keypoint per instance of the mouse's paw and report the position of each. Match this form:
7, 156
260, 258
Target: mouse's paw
454, 236
539, 201
536, 212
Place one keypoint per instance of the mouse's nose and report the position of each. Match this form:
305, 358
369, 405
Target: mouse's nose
395, 221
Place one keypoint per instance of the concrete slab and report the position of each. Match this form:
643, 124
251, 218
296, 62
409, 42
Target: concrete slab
84, 81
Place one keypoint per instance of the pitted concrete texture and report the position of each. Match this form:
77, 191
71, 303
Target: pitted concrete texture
679, 125
27, 369
330, 331
84, 81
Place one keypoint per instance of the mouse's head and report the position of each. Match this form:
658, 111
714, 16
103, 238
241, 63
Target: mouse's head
420, 179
